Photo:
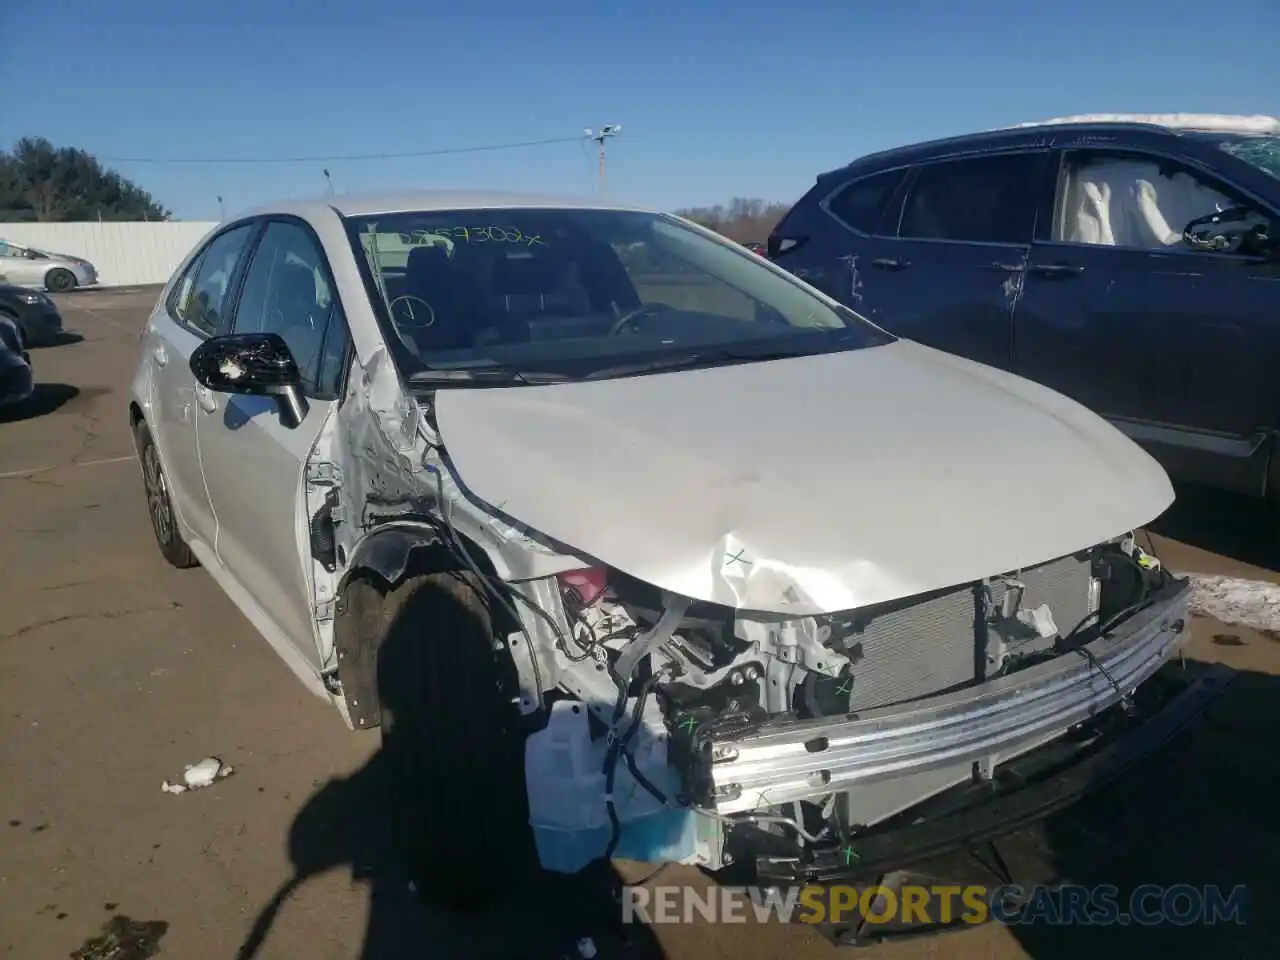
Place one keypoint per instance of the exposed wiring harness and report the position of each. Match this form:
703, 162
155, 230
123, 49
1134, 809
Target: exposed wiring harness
619, 746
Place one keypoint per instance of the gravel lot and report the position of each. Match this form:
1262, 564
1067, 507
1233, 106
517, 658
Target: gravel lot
116, 670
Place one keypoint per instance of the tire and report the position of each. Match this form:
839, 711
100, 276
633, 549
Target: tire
164, 523
452, 744
60, 280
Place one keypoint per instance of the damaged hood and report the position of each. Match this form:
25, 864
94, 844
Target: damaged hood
804, 485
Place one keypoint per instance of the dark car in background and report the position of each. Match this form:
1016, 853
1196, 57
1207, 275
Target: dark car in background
1131, 262
34, 313
15, 365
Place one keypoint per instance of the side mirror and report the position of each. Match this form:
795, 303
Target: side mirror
253, 365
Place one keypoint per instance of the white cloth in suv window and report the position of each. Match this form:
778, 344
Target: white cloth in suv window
1132, 202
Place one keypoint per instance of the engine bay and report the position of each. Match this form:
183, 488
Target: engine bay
712, 669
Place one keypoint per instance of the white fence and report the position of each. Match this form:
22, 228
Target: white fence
123, 253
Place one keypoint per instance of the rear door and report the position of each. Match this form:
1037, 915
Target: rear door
253, 464
836, 229
196, 309
1177, 346
953, 272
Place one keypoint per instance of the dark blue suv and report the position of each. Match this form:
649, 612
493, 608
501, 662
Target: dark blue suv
1132, 264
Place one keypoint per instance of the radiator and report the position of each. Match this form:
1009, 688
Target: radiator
925, 646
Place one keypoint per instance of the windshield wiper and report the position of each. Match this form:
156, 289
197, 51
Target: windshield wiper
488, 376
693, 361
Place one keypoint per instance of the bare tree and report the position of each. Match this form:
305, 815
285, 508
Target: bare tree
743, 219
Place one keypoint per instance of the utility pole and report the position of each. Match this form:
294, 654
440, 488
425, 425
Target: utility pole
599, 136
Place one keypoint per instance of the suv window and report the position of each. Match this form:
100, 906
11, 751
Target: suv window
1140, 201
200, 298
988, 199
860, 203
287, 291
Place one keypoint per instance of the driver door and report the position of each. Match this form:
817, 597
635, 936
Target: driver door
254, 465
1176, 346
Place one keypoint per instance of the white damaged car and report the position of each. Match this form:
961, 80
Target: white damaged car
632, 544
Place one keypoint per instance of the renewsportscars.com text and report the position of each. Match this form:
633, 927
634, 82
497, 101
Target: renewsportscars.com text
909, 905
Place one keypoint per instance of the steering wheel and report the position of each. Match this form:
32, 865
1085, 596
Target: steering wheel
408, 317
635, 313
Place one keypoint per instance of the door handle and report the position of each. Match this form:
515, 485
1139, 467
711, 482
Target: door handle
1010, 267
208, 402
1057, 270
890, 263
161, 355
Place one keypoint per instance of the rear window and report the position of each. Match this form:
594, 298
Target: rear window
861, 204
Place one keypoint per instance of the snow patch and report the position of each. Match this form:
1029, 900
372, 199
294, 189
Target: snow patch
1223, 122
1236, 602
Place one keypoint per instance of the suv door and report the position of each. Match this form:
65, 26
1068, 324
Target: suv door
253, 464
836, 229
195, 309
1177, 346
953, 273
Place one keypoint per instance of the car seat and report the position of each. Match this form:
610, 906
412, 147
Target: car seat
431, 277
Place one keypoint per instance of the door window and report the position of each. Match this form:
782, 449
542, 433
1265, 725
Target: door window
1144, 202
200, 299
860, 203
287, 291
989, 199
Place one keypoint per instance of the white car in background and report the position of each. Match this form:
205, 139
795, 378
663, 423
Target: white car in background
56, 272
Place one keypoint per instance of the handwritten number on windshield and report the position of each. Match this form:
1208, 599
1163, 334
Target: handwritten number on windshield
490, 234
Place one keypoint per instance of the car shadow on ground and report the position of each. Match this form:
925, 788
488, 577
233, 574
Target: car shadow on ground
46, 398
347, 825
1202, 814
1242, 528
63, 339
1148, 852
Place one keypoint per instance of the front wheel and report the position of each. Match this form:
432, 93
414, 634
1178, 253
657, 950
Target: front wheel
160, 507
59, 280
451, 739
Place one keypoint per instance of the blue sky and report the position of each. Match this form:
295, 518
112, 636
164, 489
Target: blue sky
715, 99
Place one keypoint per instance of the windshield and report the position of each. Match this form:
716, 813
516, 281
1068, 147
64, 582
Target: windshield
574, 293
1262, 152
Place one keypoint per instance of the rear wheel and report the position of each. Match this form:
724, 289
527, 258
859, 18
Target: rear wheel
159, 506
452, 743
60, 280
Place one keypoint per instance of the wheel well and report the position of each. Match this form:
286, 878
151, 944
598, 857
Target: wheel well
382, 563
135, 418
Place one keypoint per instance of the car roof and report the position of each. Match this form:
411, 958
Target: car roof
1035, 132
365, 204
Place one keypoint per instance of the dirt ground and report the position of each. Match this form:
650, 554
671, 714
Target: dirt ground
116, 671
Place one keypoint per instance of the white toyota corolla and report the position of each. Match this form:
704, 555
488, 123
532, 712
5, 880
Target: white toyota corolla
632, 544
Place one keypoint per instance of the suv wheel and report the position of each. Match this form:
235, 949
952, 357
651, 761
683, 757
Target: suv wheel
451, 739
159, 506
59, 280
